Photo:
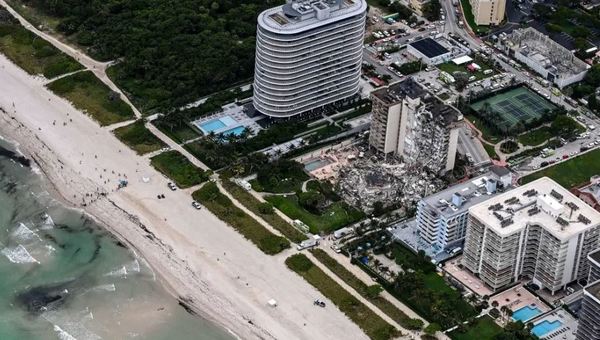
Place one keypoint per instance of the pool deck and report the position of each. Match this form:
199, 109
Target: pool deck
232, 116
567, 329
518, 297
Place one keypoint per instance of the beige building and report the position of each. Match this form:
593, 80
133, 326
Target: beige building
488, 12
539, 231
410, 123
417, 6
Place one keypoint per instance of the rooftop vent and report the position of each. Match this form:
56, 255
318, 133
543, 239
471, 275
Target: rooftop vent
495, 207
498, 216
512, 200
572, 205
530, 193
506, 223
533, 211
583, 219
562, 221
556, 195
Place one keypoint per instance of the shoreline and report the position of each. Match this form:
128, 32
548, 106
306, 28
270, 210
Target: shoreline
221, 276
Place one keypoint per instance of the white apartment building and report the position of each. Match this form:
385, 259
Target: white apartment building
488, 12
412, 124
442, 217
308, 55
539, 231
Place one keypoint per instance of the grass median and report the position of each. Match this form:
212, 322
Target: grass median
370, 293
572, 172
372, 324
30, 52
220, 205
87, 93
139, 138
178, 168
264, 210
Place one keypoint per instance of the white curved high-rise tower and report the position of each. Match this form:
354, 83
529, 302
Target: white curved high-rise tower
308, 54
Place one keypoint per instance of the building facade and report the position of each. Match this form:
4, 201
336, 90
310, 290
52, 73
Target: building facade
442, 217
308, 55
539, 231
488, 12
417, 6
590, 192
594, 263
589, 315
412, 124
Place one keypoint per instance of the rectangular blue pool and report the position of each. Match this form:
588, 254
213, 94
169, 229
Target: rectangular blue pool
545, 327
316, 164
212, 125
526, 313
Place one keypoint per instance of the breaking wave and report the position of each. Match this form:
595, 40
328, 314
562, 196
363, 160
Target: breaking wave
18, 254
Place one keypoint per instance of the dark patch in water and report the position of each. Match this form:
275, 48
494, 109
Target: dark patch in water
39, 299
121, 244
97, 250
54, 240
183, 302
15, 157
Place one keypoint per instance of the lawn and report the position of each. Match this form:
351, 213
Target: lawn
484, 328
139, 138
31, 53
366, 291
220, 205
536, 137
372, 324
88, 94
178, 168
488, 134
337, 215
178, 132
470, 18
276, 221
490, 150
451, 67
571, 173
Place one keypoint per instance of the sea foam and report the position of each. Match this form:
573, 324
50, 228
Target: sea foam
18, 254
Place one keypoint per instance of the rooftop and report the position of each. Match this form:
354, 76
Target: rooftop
466, 194
593, 289
395, 93
595, 256
542, 202
429, 47
296, 16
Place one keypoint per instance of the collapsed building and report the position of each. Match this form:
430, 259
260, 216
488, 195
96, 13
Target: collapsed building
415, 126
374, 179
545, 56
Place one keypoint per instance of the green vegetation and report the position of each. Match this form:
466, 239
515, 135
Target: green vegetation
482, 328
468, 14
178, 168
490, 150
370, 293
171, 52
572, 172
487, 133
509, 146
280, 176
220, 205
319, 207
431, 10
264, 210
536, 137
453, 69
33, 54
409, 68
90, 95
139, 138
372, 324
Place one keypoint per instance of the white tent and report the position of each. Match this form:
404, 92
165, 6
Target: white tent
462, 60
272, 303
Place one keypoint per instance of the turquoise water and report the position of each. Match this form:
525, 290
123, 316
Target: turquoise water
64, 277
526, 313
545, 327
212, 125
316, 164
235, 131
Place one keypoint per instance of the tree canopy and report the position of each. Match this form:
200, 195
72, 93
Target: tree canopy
169, 52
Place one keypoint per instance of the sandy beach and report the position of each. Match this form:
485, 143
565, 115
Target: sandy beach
222, 276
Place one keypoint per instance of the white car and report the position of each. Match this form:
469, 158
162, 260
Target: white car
172, 186
196, 205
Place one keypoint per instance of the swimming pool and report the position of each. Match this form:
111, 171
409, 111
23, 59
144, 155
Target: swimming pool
235, 131
545, 327
316, 164
526, 313
212, 125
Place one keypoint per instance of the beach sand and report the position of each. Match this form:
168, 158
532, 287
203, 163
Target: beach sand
221, 276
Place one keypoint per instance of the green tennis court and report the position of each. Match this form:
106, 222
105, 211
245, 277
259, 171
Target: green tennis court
514, 106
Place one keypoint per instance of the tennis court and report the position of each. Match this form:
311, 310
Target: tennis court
514, 106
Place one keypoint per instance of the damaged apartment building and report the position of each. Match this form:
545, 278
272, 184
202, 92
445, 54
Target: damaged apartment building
413, 125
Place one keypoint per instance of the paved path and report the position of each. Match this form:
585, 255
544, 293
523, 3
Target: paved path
174, 146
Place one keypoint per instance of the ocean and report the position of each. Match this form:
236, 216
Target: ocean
62, 276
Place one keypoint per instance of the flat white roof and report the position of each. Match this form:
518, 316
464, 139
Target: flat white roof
462, 60
275, 19
542, 202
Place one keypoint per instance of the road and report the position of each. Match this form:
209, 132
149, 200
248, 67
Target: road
468, 144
